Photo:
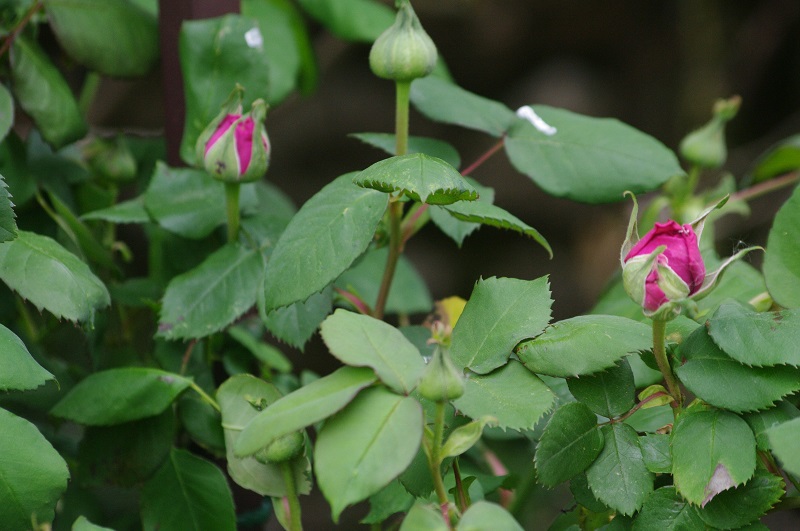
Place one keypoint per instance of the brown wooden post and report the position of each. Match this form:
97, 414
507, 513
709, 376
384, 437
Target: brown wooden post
172, 13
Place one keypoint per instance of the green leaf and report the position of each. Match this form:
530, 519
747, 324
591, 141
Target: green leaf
238, 399
391, 499
18, 369
712, 451
188, 493
365, 446
761, 421
263, 352
738, 507
71, 291
216, 54
464, 437
453, 227
710, 374
609, 393
86, 241
443, 101
82, 524
351, 20
363, 341
309, 404
570, 443
783, 441
421, 177
32, 474
296, 323
740, 281
43, 93
780, 158
120, 395
7, 112
665, 509
584, 345
126, 454
655, 453
424, 517
416, 144
8, 226
131, 211
484, 515
500, 313
510, 394
211, 296
593, 160
188, 202
493, 215
285, 42
323, 239
782, 259
619, 477
127, 46
757, 339
408, 293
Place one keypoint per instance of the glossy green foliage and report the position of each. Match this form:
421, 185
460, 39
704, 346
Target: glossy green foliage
570, 443
6, 111
781, 158
782, 259
127, 46
609, 393
500, 313
352, 20
510, 394
32, 473
363, 341
420, 177
120, 395
187, 493
44, 94
416, 144
584, 345
712, 451
72, 291
365, 446
314, 402
486, 515
783, 441
18, 369
710, 374
241, 398
323, 239
208, 298
8, 225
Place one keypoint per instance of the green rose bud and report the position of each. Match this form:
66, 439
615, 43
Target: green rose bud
234, 147
441, 380
404, 51
282, 449
705, 147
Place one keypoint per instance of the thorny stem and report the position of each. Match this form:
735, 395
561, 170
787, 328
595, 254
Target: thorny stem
232, 210
660, 353
36, 6
295, 524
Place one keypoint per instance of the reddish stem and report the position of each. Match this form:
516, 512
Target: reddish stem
483, 158
19, 27
767, 186
360, 305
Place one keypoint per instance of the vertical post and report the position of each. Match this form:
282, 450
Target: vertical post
172, 13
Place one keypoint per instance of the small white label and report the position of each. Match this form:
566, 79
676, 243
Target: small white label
526, 112
254, 39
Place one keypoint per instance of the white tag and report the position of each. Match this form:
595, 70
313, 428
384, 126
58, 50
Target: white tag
254, 39
526, 112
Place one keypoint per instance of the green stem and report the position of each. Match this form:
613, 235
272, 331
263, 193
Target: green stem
206, 398
395, 250
295, 524
660, 353
403, 88
232, 210
88, 92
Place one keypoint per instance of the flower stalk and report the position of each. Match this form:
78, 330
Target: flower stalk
295, 523
660, 353
232, 210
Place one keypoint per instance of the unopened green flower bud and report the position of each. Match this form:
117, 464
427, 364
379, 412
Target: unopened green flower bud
235, 147
705, 147
441, 380
404, 51
110, 159
282, 449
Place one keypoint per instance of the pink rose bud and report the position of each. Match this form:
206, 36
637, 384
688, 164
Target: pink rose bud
665, 265
235, 147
